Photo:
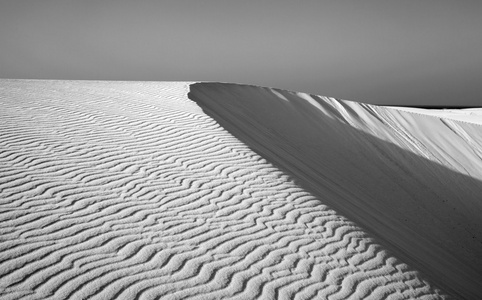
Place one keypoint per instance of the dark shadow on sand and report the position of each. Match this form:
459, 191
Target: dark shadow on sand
425, 214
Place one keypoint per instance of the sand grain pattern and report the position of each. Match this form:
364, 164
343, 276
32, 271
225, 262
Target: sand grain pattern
128, 190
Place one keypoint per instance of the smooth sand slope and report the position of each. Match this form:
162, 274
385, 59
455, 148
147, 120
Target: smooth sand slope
129, 190
412, 179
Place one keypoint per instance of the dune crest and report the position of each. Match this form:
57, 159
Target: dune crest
129, 190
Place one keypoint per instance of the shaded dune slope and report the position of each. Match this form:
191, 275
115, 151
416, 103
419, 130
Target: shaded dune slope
127, 190
411, 180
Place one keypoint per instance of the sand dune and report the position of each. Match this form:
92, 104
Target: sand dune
130, 190
412, 180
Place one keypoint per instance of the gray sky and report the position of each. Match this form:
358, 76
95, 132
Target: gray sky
411, 52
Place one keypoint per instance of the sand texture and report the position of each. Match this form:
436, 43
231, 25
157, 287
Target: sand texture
411, 179
132, 190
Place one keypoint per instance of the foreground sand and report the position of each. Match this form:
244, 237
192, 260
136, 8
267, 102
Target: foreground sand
129, 190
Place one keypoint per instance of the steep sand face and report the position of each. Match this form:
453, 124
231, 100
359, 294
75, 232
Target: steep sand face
411, 179
128, 190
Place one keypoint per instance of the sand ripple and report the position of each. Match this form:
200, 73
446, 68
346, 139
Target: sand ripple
127, 190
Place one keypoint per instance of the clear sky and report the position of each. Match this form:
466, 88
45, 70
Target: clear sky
410, 52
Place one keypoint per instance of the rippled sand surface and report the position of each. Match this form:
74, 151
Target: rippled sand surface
131, 190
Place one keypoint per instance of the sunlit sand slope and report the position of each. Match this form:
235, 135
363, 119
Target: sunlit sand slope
127, 190
411, 179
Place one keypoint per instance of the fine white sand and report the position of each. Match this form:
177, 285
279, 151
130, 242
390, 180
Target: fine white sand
129, 190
